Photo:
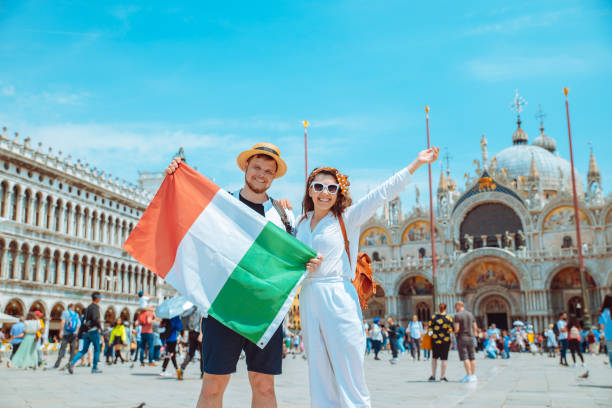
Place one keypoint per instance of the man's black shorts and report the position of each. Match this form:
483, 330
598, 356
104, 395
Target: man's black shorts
440, 350
221, 348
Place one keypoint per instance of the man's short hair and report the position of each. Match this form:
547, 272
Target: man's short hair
459, 303
96, 295
442, 307
70, 306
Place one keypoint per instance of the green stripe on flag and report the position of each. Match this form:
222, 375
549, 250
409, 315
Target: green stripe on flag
260, 284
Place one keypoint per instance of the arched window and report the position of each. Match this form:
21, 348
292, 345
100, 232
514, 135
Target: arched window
92, 273
67, 218
109, 227
63, 278
423, 312
86, 223
54, 267
36, 212
13, 203
34, 260
56, 216
10, 259
101, 230
48, 210
73, 281
2, 198
92, 230
100, 274
44, 266
567, 242
77, 221
25, 207
82, 274
21, 263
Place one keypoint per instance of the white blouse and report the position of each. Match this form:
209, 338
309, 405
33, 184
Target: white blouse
327, 238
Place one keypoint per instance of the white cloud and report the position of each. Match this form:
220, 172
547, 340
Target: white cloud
8, 90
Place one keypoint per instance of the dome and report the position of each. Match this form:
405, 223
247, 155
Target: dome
519, 136
553, 170
545, 142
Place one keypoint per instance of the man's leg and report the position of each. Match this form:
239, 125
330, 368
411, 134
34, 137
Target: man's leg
95, 339
213, 388
393, 344
444, 364
62, 351
434, 364
152, 355
73, 345
262, 386
473, 366
467, 366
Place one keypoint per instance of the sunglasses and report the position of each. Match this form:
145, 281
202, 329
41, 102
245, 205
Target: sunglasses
319, 187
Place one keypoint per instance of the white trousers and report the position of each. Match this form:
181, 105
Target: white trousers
335, 343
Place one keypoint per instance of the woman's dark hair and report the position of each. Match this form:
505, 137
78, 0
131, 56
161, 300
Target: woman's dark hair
607, 303
342, 201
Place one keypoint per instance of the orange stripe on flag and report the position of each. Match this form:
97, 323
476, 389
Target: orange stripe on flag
178, 203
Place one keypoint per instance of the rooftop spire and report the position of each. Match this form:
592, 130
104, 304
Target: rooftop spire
533, 170
519, 136
544, 141
593, 175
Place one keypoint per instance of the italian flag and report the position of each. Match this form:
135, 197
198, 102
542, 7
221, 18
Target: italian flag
221, 255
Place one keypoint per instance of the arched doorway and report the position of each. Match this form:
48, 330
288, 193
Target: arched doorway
14, 308
110, 316
495, 310
38, 306
125, 315
415, 296
565, 291
376, 305
55, 321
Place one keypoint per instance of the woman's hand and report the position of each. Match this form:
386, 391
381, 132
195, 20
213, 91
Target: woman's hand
426, 156
314, 263
173, 166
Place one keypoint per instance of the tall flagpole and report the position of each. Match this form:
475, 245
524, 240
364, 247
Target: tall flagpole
432, 234
305, 123
583, 290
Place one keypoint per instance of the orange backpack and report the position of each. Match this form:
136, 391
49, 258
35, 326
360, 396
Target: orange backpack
364, 281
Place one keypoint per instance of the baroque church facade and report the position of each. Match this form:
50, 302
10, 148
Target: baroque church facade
505, 243
62, 227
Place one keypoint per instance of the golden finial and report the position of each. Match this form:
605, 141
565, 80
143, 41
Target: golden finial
305, 123
565, 91
426, 109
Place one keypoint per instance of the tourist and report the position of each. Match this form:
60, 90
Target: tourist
401, 336
377, 337
170, 337
157, 343
506, 343
415, 328
392, 333
17, 334
138, 338
192, 323
574, 340
465, 328
491, 346
440, 328
592, 341
91, 328
26, 355
146, 319
222, 347
605, 325
69, 327
368, 333
562, 337
118, 338
425, 342
329, 306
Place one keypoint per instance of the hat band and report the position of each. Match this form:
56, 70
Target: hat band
267, 149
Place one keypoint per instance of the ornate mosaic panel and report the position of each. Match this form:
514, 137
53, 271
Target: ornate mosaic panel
562, 218
418, 231
374, 236
489, 273
569, 278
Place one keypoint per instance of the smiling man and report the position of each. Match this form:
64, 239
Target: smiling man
222, 347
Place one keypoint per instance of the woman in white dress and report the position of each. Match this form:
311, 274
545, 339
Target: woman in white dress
329, 307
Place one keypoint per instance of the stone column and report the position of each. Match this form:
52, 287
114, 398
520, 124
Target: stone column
484, 240
3, 264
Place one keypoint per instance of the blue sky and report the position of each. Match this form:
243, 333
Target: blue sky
122, 85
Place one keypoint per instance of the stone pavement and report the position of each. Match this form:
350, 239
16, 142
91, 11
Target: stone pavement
522, 381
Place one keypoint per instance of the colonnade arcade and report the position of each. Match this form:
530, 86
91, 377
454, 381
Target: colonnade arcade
21, 262
43, 210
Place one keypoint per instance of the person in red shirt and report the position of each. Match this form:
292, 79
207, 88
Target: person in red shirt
146, 319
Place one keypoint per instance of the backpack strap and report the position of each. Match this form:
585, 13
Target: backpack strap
346, 241
283, 215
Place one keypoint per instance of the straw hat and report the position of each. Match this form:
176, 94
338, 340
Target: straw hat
263, 148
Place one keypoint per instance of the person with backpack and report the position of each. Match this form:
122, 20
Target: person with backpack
169, 336
68, 333
146, 319
91, 328
415, 328
222, 347
329, 303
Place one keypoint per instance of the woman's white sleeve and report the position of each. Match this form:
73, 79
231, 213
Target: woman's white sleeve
360, 212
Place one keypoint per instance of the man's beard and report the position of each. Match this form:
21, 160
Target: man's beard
253, 188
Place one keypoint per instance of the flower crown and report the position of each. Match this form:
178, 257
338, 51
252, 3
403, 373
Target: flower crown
342, 179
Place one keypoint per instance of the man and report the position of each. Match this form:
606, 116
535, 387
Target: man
377, 337
91, 328
368, 333
415, 327
16, 338
68, 333
441, 327
465, 328
261, 164
146, 319
392, 333
563, 342
193, 323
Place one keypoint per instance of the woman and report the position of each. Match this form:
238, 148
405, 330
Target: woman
329, 306
118, 337
551, 341
27, 355
574, 340
440, 328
